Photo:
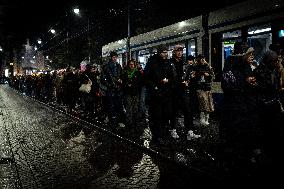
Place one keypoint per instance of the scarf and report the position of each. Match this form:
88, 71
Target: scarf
131, 73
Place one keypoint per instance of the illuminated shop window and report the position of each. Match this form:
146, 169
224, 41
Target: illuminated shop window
260, 37
233, 34
192, 47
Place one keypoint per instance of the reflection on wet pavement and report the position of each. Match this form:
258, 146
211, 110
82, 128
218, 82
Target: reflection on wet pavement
41, 148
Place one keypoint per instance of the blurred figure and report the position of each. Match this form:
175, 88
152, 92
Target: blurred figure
189, 99
132, 84
204, 77
59, 87
177, 61
160, 78
87, 98
267, 77
70, 90
239, 123
111, 77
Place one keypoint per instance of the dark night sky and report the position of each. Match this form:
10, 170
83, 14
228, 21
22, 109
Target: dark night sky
21, 19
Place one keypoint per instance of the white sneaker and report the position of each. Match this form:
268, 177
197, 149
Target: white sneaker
106, 120
121, 125
174, 133
206, 122
203, 122
207, 119
191, 135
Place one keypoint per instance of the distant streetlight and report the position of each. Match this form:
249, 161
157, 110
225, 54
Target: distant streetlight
76, 11
52, 31
39, 41
1, 49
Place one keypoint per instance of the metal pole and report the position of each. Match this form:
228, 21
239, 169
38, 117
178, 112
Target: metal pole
67, 47
128, 34
67, 40
89, 41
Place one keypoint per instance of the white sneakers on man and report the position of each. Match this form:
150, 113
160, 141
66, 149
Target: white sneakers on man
204, 118
121, 125
174, 133
191, 135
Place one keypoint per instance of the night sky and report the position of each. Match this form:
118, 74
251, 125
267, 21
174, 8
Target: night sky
21, 19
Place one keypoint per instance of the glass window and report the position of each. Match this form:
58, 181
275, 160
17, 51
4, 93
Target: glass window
260, 43
229, 39
259, 37
143, 56
191, 47
228, 48
233, 34
259, 29
119, 59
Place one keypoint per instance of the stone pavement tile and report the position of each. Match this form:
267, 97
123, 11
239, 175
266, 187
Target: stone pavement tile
7, 170
8, 183
55, 150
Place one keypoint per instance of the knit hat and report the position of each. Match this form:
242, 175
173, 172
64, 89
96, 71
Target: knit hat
113, 53
190, 57
161, 48
178, 47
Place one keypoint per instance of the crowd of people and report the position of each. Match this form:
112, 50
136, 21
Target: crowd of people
167, 89
251, 123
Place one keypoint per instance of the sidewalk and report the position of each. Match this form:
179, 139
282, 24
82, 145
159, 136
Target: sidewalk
199, 159
49, 149
185, 152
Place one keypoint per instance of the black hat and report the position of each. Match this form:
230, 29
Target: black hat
200, 56
190, 57
161, 48
113, 53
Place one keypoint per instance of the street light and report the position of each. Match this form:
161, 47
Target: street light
52, 31
67, 32
76, 11
39, 41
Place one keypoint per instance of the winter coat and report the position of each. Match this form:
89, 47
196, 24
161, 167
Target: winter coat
203, 82
110, 76
155, 71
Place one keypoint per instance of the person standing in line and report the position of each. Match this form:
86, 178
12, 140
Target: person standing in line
70, 90
204, 75
160, 79
189, 99
111, 77
132, 89
177, 61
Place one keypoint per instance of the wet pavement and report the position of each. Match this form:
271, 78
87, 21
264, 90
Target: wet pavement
44, 148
